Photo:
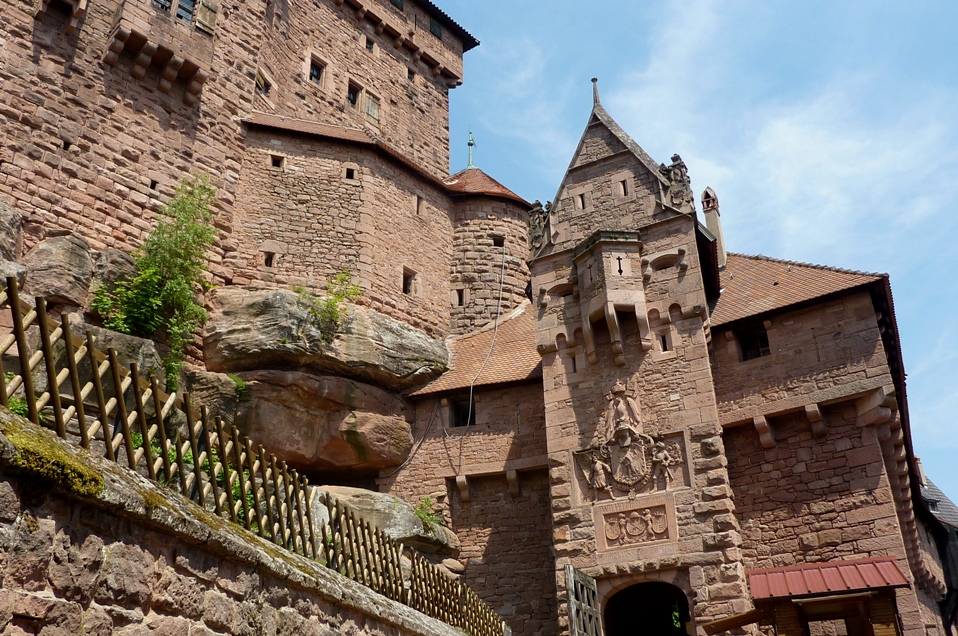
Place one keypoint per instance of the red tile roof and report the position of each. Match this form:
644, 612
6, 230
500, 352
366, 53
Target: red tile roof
753, 285
513, 358
475, 181
832, 577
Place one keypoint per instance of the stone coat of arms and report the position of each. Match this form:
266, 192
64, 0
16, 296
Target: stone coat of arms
622, 456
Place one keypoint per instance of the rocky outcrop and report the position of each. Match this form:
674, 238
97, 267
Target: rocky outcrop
60, 269
254, 328
218, 392
11, 236
111, 266
398, 519
322, 423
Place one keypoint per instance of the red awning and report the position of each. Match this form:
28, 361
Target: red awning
831, 577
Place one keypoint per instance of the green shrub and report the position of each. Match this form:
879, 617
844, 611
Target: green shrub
427, 514
160, 300
329, 311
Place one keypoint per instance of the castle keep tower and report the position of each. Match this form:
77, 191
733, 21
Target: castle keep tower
640, 494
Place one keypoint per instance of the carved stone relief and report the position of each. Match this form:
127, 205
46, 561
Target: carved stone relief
642, 525
623, 459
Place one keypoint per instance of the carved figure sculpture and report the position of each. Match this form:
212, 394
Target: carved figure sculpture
662, 462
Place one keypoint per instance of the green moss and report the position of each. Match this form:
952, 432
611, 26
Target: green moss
42, 457
353, 438
152, 500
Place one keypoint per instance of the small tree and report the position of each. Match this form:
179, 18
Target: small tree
160, 300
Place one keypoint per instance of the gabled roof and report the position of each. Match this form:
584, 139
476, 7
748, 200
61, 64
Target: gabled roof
753, 285
475, 181
513, 357
599, 114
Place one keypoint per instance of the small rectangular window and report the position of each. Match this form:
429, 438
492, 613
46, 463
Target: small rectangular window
372, 107
411, 75
398, 4
580, 201
498, 241
460, 297
409, 282
420, 205
352, 95
463, 412
753, 342
623, 188
316, 71
163, 5
435, 28
262, 84
370, 45
185, 9
350, 173
276, 161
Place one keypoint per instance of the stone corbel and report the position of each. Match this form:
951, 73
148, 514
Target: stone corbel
380, 27
512, 478
194, 87
816, 419
417, 55
437, 70
877, 407
463, 485
169, 74
116, 46
361, 13
143, 60
765, 435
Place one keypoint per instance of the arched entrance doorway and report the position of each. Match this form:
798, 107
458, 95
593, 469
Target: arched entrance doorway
647, 609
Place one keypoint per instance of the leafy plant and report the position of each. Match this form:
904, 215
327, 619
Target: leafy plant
242, 387
19, 405
160, 300
427, 514
328, 312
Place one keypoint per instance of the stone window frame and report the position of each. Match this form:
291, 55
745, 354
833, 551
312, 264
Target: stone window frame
270, 253
753, 341
354, 86
582, 199
628, 179
369, 44
459, 296
353, 168
277, 162
411, 282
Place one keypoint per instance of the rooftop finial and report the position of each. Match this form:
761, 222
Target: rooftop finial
595, 91
472, 144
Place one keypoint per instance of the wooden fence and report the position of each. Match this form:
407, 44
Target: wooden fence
90, 399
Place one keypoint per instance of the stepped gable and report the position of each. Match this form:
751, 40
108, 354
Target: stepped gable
753, 285
475, 181
513, 358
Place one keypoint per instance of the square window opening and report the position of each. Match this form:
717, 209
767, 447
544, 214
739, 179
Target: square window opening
435, 27
352, 95
277, 161
498, 241
463, 413
753, 342
350, 173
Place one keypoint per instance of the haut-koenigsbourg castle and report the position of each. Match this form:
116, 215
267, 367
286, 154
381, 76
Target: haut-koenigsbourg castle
626, 426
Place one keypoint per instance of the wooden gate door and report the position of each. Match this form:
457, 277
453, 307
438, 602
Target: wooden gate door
585, 619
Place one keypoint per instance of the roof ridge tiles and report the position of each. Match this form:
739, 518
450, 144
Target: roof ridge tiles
831, 268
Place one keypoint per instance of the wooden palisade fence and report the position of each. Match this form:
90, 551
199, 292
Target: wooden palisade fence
106, 407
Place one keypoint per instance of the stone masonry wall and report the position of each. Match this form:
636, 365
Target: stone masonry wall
508, 434
413, 112
139, 559
813, 499
817, 354
89, 148
318, 222
508, 557
475, 271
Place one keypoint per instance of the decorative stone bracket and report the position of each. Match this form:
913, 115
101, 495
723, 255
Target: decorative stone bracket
816, 419
765, 435
661, 260
878, 407
79, 10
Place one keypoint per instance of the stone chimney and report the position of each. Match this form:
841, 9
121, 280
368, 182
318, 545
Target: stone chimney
713, 221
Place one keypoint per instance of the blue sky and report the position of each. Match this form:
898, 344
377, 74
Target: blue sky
829, 132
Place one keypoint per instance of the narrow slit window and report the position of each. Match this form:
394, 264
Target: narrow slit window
420, 205
370, 45
460, 297
664, 341
409, 282
269, 258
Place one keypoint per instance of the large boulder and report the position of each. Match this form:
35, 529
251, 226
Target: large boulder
254, 328
321, 423
396, 518
218, 392
60, 269
11, 234
111, 266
